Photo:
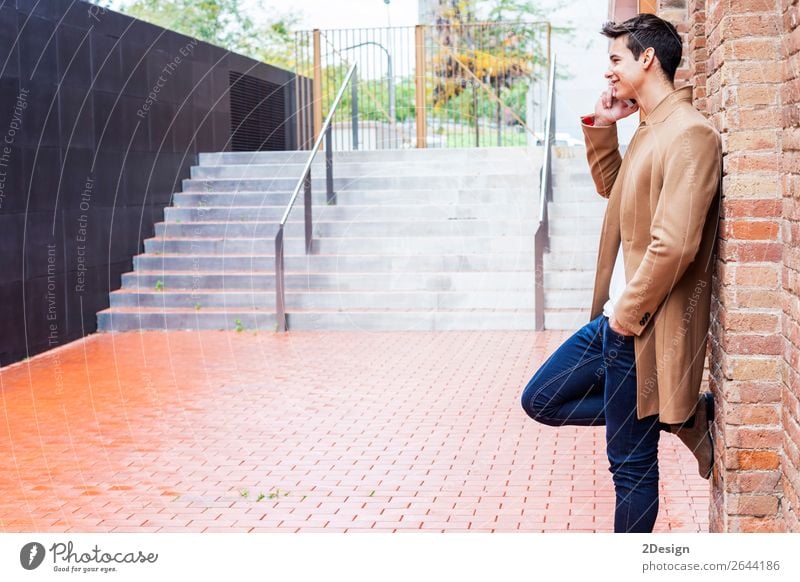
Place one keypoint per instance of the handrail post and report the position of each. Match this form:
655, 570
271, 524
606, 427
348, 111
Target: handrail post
551, 145
307, 204
330, 195
538, 278
317, 83
280, 308
419, 76
354, 108
541, 238
305, 183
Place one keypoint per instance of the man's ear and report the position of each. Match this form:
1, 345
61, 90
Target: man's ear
647, 57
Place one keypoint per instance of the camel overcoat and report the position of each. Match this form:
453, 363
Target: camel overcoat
663, 206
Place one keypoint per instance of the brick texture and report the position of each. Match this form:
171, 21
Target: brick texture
311, 432
743, 59
789, 99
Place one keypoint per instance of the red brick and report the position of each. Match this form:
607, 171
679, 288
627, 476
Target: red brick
749, 6
751, 140
741, 524
756, 48
754, 481
754, 208
744, 437
755, 460
755, 505
752, 344
753, 391
751, 25
757, 275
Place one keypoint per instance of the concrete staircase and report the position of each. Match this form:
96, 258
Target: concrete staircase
419, 240
576, 218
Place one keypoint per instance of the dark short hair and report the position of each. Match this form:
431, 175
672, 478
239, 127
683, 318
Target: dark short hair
648, 30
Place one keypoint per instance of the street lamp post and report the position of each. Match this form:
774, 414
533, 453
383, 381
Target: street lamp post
389, 73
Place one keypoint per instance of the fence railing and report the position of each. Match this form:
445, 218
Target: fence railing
447, 85
542, 238
305, 183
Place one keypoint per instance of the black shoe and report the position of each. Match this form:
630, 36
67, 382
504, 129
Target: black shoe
698, 436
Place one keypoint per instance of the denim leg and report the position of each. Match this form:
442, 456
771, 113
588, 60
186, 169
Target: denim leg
631, 444
568, 389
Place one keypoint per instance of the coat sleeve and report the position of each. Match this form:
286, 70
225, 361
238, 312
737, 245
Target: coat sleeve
602, 152
692, 167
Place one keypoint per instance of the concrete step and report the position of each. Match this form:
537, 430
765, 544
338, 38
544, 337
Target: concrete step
438, 320
160, 318
372, 182
524, 197
580, 194
570, 261
568, 279
377, 245
591, 210
574, 243
390, 281
135, 319
354, 213
200, 299
572, 179
579, 226
522, 167
326, 229
566, 319
335, 263
451, 155
567, 298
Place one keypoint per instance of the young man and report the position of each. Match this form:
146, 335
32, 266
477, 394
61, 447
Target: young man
636, 367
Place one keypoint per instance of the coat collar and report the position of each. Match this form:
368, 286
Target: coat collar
668, 104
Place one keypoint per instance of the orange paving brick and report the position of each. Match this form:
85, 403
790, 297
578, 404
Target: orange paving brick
306, 431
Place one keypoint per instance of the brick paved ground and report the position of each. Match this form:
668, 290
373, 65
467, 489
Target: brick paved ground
333, 431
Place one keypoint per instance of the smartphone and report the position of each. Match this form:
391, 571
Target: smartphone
630, 102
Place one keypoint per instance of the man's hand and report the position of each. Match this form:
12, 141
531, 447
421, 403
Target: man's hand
617, 327
609, 109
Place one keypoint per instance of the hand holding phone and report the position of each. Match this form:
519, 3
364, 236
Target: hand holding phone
609, 109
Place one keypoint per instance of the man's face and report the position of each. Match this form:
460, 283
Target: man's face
625, 74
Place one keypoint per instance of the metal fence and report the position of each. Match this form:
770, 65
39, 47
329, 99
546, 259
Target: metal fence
448, 85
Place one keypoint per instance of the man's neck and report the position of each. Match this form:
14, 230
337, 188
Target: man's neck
650, 96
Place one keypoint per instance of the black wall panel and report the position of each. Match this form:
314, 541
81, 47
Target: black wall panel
101, 117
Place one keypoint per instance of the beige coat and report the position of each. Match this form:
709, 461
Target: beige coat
663, 205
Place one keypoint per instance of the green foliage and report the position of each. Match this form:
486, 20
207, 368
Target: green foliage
469, 60
225, 23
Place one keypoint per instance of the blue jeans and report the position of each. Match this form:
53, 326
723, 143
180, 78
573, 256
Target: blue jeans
590, 380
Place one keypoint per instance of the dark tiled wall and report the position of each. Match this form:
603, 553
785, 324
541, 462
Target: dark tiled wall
89, 159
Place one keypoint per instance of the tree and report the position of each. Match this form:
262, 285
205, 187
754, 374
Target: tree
501, 56
225, 23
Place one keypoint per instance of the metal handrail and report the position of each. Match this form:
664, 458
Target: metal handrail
542, 237
305, 181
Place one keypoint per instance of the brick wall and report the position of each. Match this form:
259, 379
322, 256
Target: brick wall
743, 58
696, 51
744, 76
790, 280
